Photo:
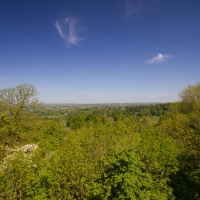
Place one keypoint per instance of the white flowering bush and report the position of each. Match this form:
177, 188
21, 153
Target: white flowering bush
24, 152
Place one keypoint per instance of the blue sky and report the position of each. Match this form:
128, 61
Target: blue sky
108, 51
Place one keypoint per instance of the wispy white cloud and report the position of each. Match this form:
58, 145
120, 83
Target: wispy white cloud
159, 58
132, 7
140, 7
68, 30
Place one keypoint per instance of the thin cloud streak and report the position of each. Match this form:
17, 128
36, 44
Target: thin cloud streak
159, 58
67, 29
132, 8
140, 7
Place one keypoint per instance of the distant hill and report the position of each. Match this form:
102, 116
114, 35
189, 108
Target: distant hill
101, 104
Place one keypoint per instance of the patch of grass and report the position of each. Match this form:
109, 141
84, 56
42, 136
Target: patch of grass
153, 120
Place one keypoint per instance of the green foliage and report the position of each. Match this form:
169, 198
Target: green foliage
191, 93
125, 177
85, 148
182, 123
146, 110
30, 175
17, 125
76, 122
103, 153
122, 177
158, 152
19, 178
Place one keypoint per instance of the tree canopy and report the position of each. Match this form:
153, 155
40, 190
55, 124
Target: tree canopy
96, 156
